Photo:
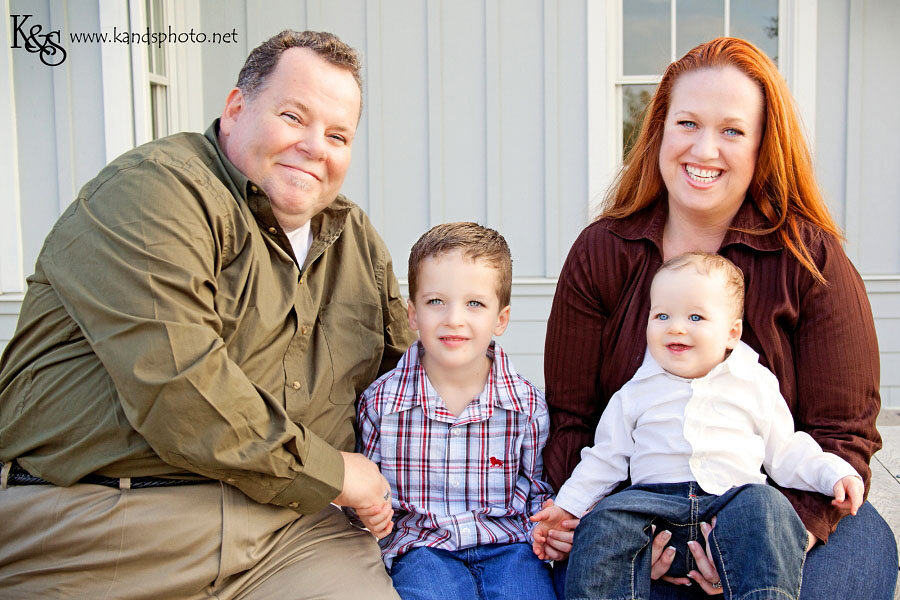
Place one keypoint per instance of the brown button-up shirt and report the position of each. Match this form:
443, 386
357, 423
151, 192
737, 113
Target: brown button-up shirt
168, 330
819, 340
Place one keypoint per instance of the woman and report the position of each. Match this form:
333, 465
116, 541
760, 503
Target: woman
721, 165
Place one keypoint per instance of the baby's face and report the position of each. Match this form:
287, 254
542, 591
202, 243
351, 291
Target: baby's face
692, 323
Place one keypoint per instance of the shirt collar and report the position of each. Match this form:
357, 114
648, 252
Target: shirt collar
739, 363
649, 223
499, 389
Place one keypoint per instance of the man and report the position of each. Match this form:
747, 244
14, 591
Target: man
201, 320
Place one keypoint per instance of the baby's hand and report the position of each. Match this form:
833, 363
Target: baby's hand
377, 518
549, 517
848, 493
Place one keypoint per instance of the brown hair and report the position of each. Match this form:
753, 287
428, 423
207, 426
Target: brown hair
707, 263
783, 187
475, 242
263, 59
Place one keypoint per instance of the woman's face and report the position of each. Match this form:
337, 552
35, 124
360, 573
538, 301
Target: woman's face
710, 141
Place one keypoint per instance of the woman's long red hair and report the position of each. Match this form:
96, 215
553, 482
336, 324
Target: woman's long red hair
784, 185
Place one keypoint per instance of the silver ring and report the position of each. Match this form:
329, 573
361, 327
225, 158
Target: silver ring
387, 496
718, 585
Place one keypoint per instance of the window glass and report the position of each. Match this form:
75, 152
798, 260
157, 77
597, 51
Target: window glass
697, 21
647, 35
756, 21
156, 55
635, 99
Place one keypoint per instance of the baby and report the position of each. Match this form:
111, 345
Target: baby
693, 426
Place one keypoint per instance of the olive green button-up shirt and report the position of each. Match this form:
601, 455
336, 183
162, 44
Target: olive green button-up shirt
167, 330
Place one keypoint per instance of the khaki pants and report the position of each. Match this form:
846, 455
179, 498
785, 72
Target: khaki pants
200, 541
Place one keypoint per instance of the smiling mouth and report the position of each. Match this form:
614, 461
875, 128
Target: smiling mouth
452, 338
702, 175
299, 171
678, 347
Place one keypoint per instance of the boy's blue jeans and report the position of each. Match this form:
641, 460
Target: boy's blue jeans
490, 572
758, 544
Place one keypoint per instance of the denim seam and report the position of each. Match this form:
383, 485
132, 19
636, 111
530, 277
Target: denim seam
633, 568
722, 560
803, 544
695, 515
780, 593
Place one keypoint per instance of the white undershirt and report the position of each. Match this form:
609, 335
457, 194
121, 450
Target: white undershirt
301, 240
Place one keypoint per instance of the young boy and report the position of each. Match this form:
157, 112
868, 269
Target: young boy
694, 425
458, 433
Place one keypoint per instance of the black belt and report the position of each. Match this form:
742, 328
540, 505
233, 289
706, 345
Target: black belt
19, 476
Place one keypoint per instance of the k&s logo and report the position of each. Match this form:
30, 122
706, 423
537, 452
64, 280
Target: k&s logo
47, 44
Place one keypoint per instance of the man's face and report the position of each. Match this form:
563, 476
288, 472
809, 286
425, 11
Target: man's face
293, 138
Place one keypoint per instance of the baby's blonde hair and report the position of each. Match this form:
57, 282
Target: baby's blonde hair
707, 263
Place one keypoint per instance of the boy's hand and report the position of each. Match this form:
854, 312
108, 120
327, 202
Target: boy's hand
549, 517
848, 493
377, 518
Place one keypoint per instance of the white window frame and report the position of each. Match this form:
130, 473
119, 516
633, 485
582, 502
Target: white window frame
126, 78
12, 278
797, 23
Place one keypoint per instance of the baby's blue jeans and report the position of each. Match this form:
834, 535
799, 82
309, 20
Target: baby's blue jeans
758, 543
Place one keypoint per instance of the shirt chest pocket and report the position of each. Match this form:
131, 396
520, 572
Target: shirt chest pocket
354, 336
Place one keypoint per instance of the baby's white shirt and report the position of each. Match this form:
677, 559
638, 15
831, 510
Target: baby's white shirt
717, 430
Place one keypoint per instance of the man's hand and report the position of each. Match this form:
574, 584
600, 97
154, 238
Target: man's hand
364, 485
848, 493
550, 517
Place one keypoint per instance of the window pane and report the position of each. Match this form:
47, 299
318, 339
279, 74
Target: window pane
756, 21
635, 99
646, 36
156, 55
159, 111
697, 21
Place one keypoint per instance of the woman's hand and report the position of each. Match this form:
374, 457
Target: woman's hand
706, 574
661, 558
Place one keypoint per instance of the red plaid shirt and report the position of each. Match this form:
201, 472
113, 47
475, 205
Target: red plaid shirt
460, 481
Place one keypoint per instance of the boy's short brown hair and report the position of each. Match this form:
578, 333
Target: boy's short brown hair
475, 242
707, 263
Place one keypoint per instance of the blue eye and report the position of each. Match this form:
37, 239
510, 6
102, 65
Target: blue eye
434, 301
662, 317
696, 318
687, 124
732, 132
474, 304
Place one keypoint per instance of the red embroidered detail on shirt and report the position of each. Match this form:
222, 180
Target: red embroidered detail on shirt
496, 462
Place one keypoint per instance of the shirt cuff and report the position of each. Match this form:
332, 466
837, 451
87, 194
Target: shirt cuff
320, 482
572, 502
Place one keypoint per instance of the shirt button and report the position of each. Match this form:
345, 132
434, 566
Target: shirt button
294, 505
466, 530
229, 480
304, 330
455, 431
272, 230
295, 385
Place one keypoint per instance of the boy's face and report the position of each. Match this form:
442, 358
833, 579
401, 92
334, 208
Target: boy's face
456, 311
692, 323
